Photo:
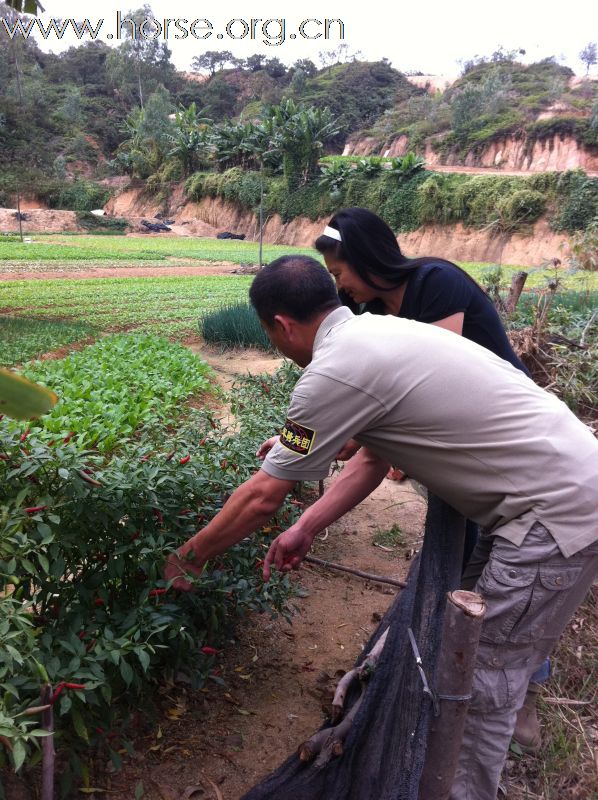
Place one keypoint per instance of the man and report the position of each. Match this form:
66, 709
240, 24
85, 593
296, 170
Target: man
469, 426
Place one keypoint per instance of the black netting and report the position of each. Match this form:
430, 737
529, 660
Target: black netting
385, 749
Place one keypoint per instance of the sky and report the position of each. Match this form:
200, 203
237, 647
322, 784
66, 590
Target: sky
432, 36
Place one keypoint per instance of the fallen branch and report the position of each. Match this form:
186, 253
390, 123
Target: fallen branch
328, 743
367, 575
362, 672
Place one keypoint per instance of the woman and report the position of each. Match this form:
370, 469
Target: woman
372, 274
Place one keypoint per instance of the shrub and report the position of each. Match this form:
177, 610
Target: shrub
82, 546
234, 326
578, 201
80, 195
524, 206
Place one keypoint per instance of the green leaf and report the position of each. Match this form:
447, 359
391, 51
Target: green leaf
19, 754
79, 725
144, 659
126, 672
19, 397
139, 791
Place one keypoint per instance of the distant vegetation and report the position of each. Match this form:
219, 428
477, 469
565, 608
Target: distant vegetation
254, 128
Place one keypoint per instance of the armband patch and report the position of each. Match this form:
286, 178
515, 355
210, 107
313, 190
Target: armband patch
297, 437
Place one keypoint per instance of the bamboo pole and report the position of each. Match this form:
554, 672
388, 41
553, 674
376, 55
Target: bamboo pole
456, 661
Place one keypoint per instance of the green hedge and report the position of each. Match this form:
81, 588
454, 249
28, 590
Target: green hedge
507, 202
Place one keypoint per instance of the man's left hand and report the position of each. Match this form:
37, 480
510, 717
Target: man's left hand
287, 551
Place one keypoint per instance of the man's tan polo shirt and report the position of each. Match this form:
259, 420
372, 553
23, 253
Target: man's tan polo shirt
466, 424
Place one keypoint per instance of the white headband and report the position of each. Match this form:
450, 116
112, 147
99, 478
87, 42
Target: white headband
333, 233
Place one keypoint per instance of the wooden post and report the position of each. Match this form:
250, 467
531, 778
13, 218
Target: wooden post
48, 754
517, 284
460, 635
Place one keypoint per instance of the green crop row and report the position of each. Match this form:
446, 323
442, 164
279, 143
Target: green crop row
109, 389
83, 247
24, 338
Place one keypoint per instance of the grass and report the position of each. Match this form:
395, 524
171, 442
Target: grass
234, 326
393, 537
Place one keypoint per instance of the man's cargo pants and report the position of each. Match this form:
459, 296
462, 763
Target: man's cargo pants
531, 592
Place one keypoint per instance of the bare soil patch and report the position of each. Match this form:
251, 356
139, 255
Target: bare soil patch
25, 271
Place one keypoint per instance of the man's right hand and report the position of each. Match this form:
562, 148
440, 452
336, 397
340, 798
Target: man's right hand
177, 567
266, 446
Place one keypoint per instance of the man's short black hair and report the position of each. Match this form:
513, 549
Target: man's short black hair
297, 286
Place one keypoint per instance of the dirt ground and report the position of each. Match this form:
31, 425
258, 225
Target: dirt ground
26, 272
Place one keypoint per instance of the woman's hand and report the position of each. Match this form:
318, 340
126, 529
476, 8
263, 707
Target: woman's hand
287, 551
348, 451
266, 446
177, 567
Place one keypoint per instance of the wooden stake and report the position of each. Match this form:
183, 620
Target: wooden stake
456, 661
517, 284
48, 754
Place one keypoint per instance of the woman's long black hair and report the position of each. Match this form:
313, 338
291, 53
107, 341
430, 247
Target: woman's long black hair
370, 247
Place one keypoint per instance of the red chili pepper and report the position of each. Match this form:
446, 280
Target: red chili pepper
84, 475
57, 692
259, 563
223, 464
158, 515
99, 602
34, 509
144, 458
202, 442
156, 592
51, 442
68, 437
75, 686
82, 634
135, 536
3, 457
99, 730
25, 435
185, 460
90, 645
209, 651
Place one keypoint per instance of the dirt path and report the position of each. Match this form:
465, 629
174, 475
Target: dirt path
277, 675
25, 272
488, 170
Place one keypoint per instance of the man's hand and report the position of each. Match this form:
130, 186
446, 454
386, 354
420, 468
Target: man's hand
348, 451
287, 551
177, 566
266, 446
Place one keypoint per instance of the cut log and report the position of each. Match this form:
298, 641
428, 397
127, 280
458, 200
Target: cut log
517, 284
456, 661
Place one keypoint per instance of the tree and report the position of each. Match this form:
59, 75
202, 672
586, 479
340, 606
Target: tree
147, 59
307, 66
589, 55
275, 68
190, 142
255, 62
212, 59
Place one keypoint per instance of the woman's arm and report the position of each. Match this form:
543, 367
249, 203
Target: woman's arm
453, 323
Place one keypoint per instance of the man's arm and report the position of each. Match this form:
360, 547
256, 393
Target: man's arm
249, 507
362, 474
